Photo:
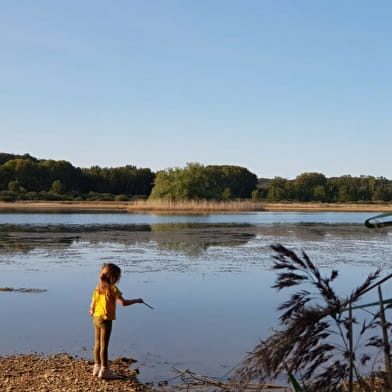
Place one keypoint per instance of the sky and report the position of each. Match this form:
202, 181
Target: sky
280, 87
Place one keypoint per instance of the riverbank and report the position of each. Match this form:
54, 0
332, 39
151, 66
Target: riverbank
184, 207
64, 373
44, 206
344, 207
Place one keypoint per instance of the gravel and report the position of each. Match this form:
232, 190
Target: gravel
64, 373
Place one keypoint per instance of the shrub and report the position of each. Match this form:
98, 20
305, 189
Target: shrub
121, 198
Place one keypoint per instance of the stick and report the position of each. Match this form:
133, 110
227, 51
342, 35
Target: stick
148, 305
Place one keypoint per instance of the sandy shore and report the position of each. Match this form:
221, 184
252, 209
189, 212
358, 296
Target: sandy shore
328, 207
64, 205
44, 206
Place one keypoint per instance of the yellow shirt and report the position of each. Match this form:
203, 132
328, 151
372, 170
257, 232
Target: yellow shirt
105, 306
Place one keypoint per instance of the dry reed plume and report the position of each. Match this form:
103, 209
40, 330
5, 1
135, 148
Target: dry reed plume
316, 338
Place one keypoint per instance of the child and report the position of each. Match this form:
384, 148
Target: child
103, 311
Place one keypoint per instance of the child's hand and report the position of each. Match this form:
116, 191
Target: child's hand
92, 308
139, 301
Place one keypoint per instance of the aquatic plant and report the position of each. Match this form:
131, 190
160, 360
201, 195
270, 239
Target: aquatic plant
317, 342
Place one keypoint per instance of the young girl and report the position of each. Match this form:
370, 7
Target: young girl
103, 311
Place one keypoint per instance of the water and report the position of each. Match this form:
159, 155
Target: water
148, 219
208, 278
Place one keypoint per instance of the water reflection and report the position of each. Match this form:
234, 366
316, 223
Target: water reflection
22, 243
256, 218
190, 239
190, 247
194, 239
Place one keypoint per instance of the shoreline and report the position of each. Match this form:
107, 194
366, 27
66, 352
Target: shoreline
66, 373
333, 207
63, 372
184, 207
44, 206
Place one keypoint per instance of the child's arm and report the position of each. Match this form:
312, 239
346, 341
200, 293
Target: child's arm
127, 302
92, 308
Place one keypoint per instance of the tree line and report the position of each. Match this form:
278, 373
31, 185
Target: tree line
24, 177
316, 187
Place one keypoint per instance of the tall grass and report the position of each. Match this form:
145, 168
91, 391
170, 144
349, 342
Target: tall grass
194, 206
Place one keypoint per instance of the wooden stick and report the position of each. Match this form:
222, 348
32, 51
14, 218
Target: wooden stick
148, 305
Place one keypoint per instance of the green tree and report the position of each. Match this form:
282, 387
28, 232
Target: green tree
382, 190
226, 194
127, 180
196, 181
24, 171
306, 183
346, 189
14, 186
182, 184
257, 194
4, 157
239, 179
57, 187
71, 177
276, 190
319, 193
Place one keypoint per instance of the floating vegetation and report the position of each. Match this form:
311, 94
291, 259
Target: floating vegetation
22, 290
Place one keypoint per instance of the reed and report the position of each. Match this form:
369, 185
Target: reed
194, 206
315, 340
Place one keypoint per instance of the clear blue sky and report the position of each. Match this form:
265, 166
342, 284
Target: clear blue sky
281, 87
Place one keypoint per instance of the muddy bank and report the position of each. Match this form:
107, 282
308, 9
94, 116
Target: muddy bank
64, 373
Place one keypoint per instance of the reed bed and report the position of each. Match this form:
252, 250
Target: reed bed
312, 206
198, 206
194, 206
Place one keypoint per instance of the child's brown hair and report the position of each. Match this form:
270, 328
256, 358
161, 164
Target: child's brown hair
109, 275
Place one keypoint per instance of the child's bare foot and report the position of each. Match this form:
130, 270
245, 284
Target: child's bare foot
96, 370
106, 374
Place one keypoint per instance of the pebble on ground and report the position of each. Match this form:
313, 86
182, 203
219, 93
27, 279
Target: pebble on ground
64, 373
